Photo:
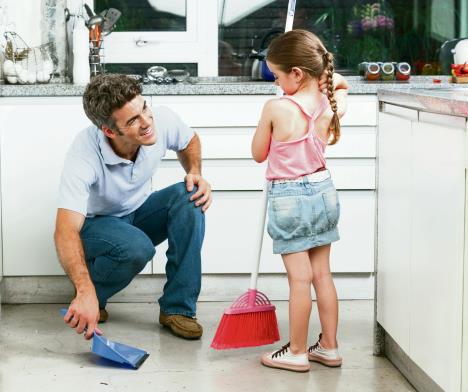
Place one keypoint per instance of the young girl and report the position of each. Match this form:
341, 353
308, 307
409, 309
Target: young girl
303, 206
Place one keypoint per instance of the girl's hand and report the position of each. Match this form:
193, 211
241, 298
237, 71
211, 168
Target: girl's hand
323, 83
339, 82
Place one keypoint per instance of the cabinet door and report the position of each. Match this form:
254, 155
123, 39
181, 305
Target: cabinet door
231, 231
354, 252
437, 234
232, 222
35, 136
394, 223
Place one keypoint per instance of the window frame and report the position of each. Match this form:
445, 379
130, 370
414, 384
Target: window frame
198, 44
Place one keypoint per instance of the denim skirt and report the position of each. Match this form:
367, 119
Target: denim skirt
302, 214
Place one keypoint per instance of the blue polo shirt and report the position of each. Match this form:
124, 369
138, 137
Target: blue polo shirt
96, 181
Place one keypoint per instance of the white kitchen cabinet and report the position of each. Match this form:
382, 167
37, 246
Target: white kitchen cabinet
394, 223
35, 136
32, 162
231, 231
226, 125
421, 238
437, 236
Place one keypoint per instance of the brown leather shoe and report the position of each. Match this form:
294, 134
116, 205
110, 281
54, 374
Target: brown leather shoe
183, 326
103, 316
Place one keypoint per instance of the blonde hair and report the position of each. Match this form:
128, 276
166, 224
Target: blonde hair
303, 49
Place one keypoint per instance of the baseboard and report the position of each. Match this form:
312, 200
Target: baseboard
148, 288
413, 373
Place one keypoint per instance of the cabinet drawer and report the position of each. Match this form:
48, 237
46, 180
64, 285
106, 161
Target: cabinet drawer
245, 110
216, 110
235, 143
231, 231
244, 174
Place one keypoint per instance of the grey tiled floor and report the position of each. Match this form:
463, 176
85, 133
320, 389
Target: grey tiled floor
40, 353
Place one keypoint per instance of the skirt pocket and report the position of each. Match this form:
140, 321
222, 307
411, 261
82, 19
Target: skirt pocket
332, 208
283, 217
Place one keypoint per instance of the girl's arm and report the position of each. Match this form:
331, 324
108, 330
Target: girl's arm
262, 136
341, 91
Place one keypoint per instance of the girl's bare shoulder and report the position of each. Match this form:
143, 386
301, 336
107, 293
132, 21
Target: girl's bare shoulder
322, 123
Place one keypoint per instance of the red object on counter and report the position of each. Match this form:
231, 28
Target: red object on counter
403, 71
460, 69
436, 80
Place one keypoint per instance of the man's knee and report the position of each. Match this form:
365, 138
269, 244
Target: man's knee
138, 252
184, 203
180, 191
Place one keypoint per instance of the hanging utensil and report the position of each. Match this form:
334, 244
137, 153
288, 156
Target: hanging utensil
111, 16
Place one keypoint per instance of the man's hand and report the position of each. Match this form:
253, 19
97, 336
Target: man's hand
83, 313
203, 194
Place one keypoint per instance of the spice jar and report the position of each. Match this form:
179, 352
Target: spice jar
372, 71
387, 71
403, 71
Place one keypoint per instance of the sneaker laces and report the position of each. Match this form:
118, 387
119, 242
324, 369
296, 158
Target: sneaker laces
314, 347
281, 351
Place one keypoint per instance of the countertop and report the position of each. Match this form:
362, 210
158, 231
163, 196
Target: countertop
216, 86
450, 99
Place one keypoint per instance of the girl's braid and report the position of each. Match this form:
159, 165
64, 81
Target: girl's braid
335, 128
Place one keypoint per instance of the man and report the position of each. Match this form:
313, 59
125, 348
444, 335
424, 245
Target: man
108, 221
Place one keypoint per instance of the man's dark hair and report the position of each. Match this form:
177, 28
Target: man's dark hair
106, 93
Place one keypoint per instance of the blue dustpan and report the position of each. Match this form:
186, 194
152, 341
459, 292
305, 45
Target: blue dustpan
117, 352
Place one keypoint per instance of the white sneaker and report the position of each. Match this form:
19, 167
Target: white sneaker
327, 357
285, 359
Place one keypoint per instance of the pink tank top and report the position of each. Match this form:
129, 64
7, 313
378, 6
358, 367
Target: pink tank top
296, 158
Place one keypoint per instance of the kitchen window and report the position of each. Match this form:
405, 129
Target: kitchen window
354, 30
163, 32
218, 37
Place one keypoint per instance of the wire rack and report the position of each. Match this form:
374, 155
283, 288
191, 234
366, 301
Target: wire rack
28, 65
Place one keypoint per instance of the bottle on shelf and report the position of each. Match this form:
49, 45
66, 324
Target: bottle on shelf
81, 70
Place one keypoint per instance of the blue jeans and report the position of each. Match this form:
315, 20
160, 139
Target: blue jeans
117, 249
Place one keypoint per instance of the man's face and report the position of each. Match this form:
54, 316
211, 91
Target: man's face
134, 123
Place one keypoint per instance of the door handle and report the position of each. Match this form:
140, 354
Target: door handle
140, 42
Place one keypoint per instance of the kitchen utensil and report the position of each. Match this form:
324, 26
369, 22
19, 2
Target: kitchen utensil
259, 56
127, 356
266, 73
89, 11
95, 35
460, 52
156, 72
179, 75
94, 20
110, 19
446, 55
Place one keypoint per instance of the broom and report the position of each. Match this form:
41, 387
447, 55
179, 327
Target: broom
251, 320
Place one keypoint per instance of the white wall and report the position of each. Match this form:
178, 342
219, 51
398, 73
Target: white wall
26, 18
